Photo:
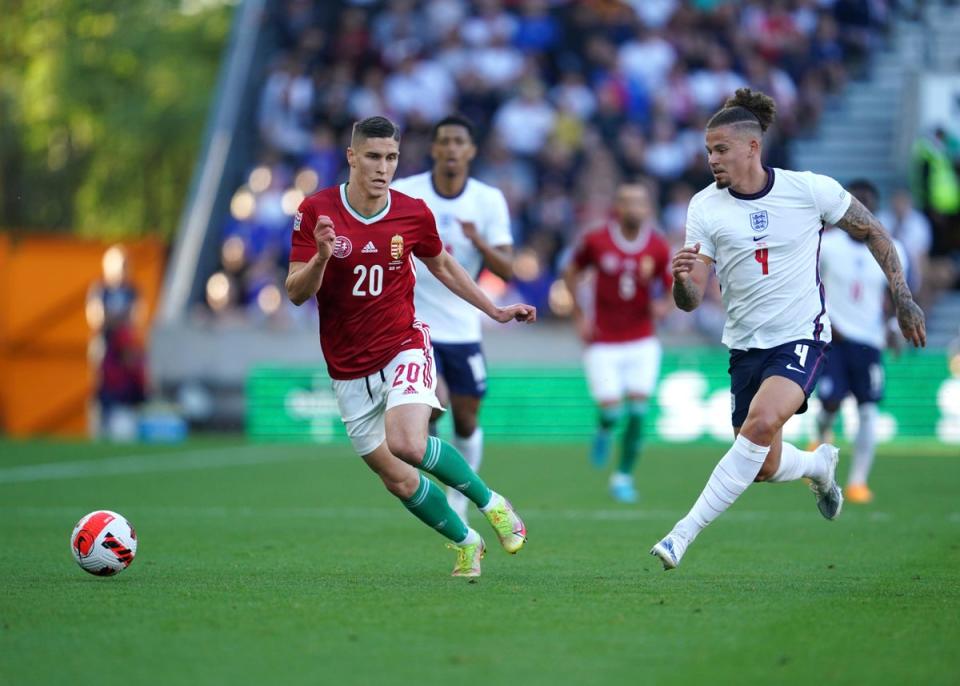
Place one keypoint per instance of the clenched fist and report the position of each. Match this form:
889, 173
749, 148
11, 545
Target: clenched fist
684, 261
324, 236
522, 313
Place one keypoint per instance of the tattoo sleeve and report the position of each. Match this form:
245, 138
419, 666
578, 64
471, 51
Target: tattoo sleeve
686, 294
860, 223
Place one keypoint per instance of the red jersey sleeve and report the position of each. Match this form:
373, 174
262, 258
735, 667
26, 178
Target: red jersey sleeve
582, 255
428, 243
302, 245
666, 267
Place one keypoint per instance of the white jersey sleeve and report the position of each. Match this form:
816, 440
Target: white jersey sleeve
830, 197
697, 231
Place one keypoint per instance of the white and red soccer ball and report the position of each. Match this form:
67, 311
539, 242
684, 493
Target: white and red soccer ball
103, 543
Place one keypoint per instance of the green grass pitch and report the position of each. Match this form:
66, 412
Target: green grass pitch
290, 565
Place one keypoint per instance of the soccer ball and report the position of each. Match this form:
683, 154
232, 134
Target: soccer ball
103, 543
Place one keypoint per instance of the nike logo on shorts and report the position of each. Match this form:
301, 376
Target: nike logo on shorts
794, 369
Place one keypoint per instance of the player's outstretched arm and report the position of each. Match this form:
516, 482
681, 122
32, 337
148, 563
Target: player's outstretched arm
860, 223
304, 278
690, 273
452, 275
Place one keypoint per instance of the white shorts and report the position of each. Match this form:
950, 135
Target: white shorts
617, 370
408, 378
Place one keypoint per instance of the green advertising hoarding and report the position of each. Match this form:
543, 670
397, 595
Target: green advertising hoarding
550, 404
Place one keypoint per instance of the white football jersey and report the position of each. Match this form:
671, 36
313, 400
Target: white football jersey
855, 286
766, 247
450, 318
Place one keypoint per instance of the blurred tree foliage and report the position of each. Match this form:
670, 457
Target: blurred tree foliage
102, 108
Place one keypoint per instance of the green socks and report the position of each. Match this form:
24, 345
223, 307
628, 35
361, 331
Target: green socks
444, 462
429, 505
608, 417
632, 434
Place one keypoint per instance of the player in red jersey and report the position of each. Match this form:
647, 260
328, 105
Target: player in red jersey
353, 249
631, 263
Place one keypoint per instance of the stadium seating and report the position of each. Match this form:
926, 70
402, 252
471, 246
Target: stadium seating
569, 97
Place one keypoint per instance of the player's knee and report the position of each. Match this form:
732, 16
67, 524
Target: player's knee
403, 486
408, 448
761, 426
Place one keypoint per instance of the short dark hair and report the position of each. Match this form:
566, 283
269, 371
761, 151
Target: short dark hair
454, 120
374, 127
746, 107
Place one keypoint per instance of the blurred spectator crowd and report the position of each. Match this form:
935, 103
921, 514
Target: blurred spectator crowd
569, 97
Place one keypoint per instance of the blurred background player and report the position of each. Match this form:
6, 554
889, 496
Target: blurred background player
114, 310
630, 263
357, 262
912, 229
762, 227
856, 291
474, 225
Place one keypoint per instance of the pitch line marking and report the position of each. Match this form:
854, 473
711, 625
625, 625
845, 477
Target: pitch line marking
205, 458
390, 513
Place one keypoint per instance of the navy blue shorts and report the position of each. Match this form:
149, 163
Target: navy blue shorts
462, 367
800, 361
852, 368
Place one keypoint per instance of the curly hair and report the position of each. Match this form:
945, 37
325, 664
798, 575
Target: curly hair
746, 107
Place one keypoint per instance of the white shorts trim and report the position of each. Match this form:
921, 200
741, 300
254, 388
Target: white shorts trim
618, 370
409, 378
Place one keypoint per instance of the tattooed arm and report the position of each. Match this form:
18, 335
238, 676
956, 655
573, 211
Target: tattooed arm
690, 273
863, 226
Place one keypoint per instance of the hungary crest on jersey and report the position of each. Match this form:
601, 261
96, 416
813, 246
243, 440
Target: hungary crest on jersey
396, 246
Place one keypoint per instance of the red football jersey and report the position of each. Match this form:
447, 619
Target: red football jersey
366, 298
627, 274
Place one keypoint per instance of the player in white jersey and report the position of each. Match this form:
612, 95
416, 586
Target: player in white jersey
474, 225
856, 292
761, 228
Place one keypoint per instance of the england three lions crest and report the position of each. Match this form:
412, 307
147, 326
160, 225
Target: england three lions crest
396, 246
759, 221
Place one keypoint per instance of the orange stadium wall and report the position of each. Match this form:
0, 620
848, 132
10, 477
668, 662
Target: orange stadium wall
45, 379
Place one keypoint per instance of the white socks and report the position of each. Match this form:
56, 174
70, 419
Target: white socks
496, 500
472, 450
796, 463
864, 444
471, 538
735, 471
